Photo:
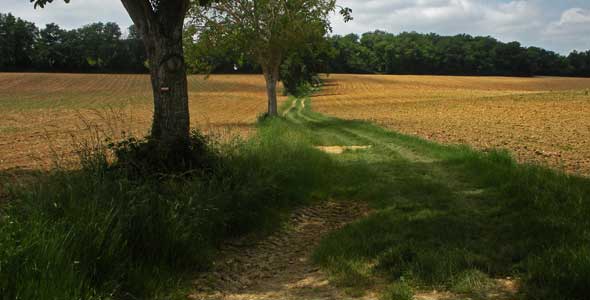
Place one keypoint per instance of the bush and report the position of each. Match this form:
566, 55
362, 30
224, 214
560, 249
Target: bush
149, 157
298, 76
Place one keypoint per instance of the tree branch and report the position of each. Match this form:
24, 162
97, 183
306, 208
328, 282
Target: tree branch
141, 13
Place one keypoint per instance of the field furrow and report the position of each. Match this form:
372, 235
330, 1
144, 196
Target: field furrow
44, 116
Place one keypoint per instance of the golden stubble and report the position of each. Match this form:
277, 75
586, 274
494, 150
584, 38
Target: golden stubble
43, 117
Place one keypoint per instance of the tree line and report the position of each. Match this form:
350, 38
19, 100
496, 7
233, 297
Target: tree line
380, 52
416, 53
97, 47
101, 47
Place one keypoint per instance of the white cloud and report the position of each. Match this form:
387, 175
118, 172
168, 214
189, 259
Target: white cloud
561, 25
572, 20
575, 15
526, 21
72, 15
571, 31
446, 16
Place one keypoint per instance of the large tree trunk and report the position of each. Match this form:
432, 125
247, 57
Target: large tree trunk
271, 76
171, 121
161, 29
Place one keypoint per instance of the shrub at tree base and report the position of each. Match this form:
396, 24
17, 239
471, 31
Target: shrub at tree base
150, 157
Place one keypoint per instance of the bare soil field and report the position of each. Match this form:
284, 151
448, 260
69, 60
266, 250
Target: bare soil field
44, 116
543, 120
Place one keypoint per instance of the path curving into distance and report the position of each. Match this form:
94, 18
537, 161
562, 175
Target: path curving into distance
279, 266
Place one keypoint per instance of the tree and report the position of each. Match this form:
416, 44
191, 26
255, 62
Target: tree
301, 66
49, 48
580, 63
266, 30
350, 56
133, 56
204, 55
160, 24
100, 44
17, 38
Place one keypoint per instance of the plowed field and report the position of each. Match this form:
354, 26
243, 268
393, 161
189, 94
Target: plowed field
42, 116
541, 120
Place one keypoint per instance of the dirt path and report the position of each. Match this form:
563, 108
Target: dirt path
279, 266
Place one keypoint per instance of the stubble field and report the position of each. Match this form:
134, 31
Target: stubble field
44, 116
540, 120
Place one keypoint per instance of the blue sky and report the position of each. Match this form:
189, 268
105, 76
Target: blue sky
558, 25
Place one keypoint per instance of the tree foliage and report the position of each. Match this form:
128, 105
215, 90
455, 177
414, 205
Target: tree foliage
17, 40
299, 70
96, 47
265, 31
416, 53
102, 47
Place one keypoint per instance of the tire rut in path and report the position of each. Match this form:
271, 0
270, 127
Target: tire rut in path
279, 267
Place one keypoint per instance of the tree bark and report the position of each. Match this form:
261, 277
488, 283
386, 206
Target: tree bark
161, 30
171, 119
271, 76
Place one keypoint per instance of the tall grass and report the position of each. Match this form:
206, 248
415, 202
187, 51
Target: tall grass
97, 233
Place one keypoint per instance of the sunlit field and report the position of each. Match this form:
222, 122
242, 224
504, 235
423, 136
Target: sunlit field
43, 116
544, 120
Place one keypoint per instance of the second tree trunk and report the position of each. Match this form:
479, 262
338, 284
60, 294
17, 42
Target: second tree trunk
271, 76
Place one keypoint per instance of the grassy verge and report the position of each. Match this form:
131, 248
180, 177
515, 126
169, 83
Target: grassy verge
452, 218
95, 233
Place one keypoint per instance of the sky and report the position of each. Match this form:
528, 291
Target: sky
557, 25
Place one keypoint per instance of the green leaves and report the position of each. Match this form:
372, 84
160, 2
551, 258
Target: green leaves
266, 30
346, 12
42, 3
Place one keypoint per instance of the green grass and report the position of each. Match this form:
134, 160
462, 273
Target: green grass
398, 291
444, 211
96, 234
446, 217
473, 282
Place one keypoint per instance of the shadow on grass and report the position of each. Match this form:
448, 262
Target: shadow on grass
91, 234
438, 222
